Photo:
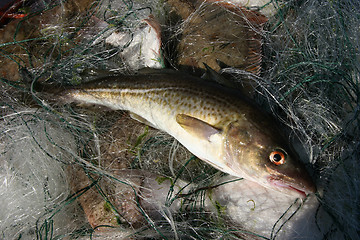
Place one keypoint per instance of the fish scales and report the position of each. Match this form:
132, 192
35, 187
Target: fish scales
215, 123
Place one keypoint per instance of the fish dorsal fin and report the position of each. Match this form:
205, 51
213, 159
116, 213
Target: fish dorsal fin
212, 75
254, 40
196, 126
254, 57
91, 74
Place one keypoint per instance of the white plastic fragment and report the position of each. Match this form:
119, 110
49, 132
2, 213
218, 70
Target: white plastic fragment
268, 212
142, 47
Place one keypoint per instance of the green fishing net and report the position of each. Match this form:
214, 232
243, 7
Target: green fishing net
68, 172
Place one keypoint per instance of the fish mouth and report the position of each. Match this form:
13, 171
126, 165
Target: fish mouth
281, 184
300, 184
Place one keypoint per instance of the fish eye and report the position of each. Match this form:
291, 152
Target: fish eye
277, 157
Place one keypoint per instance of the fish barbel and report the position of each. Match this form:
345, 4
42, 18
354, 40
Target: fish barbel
215, 123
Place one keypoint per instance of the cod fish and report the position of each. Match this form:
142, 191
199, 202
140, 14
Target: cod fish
216, 123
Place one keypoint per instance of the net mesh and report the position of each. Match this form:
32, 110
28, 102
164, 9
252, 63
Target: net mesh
77, 173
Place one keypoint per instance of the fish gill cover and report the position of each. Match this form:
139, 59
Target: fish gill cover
69, 172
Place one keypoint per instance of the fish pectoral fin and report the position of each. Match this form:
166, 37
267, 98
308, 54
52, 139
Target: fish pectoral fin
141, 119
196, 126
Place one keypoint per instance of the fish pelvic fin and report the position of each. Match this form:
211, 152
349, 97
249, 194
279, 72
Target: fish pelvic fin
197, 127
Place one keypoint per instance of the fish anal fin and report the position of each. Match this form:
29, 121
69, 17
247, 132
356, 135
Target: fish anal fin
141, 119
196, 126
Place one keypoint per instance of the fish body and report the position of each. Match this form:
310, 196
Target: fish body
215, 123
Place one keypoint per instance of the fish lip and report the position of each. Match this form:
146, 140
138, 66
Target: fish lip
279, 183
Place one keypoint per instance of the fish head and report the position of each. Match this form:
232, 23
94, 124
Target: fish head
261, 155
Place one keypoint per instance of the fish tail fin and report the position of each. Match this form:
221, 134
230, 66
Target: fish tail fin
49, 92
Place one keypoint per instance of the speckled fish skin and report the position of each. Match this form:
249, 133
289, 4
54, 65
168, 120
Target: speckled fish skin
215, 123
